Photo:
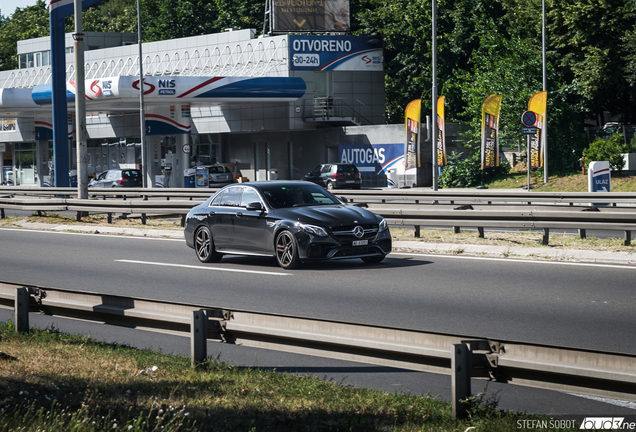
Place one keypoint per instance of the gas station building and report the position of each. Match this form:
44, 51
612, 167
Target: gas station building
275, 106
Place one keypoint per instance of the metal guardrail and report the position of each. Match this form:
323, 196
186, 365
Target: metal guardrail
413, 208
412, 195
596, 373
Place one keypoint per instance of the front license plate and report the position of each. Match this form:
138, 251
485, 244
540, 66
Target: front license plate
360, 242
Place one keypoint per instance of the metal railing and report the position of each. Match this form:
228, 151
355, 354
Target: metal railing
591, 372
413, 209
336, 110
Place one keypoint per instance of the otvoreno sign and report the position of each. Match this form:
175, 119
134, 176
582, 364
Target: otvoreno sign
373, 158
343, 53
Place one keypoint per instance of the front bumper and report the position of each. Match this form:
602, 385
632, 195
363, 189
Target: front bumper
313, 248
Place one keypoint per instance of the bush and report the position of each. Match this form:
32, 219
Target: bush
609, 149
467, 172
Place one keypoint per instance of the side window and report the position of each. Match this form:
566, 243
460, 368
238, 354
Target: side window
325, 169
249, 196
217, 200
112, 175
232, 197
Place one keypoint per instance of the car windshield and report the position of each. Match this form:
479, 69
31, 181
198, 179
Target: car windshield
217, 169
286, 196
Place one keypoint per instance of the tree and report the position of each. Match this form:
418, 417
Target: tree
118, 16
25, 23
590, 42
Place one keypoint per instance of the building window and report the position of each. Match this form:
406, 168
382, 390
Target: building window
8, 125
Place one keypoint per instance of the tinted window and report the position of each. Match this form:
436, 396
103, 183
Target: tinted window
296, 195
249, 196
232, 197
216, 169
325, 168
347, 168
217, 199
133, 175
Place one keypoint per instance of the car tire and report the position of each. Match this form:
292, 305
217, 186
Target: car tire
204, 246
330, 186
287, 250
374, 259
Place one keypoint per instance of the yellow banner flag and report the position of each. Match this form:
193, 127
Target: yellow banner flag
412, 115
538, 105
490, 131
441, 133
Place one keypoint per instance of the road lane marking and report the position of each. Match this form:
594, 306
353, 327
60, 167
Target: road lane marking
617, 402
534, 261
119, 236
205, 268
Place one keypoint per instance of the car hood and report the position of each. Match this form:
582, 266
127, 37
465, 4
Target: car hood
328, 215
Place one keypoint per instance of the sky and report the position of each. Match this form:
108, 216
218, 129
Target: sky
7, 7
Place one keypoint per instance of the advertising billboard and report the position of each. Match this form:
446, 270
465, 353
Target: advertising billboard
325, 16
373, 158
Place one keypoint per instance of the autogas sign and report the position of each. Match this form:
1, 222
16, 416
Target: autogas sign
372, 158
350, 53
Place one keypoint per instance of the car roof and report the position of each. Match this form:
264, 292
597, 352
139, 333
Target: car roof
273, 182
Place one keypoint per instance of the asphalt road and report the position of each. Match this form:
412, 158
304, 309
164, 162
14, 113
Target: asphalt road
583, 306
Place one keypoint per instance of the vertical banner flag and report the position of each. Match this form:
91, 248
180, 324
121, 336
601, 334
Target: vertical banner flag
441, 133
537, 104
412, 123
490, 132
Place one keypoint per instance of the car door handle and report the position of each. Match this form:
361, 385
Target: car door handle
239, 214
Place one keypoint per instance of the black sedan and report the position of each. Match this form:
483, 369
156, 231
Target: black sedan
294, 221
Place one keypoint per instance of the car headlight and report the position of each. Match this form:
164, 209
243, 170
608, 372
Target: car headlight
383, 225
314, 230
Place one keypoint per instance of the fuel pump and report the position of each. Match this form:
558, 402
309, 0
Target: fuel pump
168, 168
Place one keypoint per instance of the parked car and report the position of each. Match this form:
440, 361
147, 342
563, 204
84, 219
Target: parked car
219, 175
293, 221
117, 178
335, 176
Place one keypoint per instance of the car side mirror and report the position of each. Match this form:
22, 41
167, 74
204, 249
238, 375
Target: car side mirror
255, 206
343, 199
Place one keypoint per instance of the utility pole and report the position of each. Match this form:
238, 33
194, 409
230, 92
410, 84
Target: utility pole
142, 112
434, 91
80, 106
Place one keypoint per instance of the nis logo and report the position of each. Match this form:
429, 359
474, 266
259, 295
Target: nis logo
371, 60
167, 87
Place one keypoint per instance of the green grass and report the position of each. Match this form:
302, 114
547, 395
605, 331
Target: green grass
63, 382
574, 182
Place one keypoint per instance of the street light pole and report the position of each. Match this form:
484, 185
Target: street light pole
545, 88
434, 91
80, 105
142, 113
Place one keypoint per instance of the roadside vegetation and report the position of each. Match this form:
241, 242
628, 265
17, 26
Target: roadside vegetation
572, 182
52, 381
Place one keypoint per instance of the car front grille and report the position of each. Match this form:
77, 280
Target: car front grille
345, 233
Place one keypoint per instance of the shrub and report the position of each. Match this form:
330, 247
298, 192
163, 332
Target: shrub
467, 172
609, 149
